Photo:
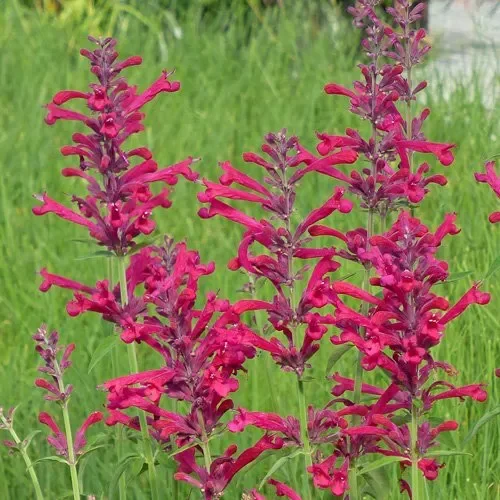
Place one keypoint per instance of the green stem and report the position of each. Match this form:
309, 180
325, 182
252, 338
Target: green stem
122, 482
358, 378
71, 451
204, 444
69, 435
26, 458
415, 474
304, 436
134, 368
257, 318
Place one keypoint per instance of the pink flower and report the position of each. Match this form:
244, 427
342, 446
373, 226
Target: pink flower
282, 490
119, 203
493, 180
327, 476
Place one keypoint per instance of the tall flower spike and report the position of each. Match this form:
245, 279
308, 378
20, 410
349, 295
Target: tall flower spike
202, 349
285, 248
119, 203
400, 331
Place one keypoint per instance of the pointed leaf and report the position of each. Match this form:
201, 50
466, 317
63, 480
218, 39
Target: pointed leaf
278, 464
495, 266
27, 440
455, 277
106, 345
494, 412
119, 470
90, 450
98, 253
446, 453
381, 462
338, 352
184, 448
53, 458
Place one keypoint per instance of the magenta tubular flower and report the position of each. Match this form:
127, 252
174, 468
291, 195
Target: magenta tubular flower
493, 180
400, 329
203, 349
285, 248
119, 203
391, 178
212, 482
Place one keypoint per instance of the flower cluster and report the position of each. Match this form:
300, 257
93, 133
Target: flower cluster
120, 202
396, 134
286, 256
203, 350
204, 343
402, 326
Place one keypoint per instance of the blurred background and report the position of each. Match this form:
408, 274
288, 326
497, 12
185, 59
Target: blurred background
247, 67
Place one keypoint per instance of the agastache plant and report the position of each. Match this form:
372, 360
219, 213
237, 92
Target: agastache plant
404, 264
203, 348
284, 263
394, 320
119, 205
69, 447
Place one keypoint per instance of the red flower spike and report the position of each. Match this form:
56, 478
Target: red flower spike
119, 203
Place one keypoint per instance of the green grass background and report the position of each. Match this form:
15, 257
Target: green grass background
242, 76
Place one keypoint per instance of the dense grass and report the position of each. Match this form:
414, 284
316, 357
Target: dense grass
240, 80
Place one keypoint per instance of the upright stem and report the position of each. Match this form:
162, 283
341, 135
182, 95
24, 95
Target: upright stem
204, 444
69, 437
122, 482
415, 474
358, 379
71, 452
268, 359
134, 367
301, 399
26, 458
304, 435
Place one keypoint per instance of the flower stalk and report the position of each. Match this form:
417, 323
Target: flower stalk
304, 436
7, 423
415, 473
134, 368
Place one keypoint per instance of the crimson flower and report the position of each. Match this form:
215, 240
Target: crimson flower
493, 180
119, 203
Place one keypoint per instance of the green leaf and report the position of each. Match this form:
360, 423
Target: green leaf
446, 453
495, 412
90, 450
278, 464
402, 419
53, 458
494, 267
119, 469
27, 440
80, 240
184, 448
378, 484
455, 277
97, 254
338, 352
381, 462
106, 345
